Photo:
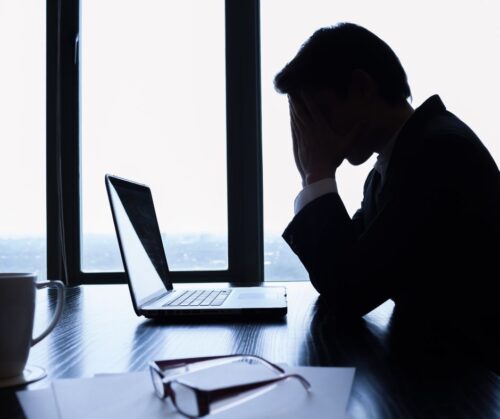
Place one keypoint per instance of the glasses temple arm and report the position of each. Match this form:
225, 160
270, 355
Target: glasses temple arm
183, 361
171, 363
225, 392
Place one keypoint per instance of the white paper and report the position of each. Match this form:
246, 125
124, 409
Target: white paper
118, 396
38, 404
131, 396
330, 390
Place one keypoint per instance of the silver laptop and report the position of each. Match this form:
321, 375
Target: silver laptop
151, 289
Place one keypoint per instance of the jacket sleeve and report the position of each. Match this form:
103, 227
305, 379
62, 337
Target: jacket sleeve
394, 255
340, 267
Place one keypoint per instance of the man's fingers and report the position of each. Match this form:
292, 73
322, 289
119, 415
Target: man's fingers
296, 138
299, 110
296, 156
313, 110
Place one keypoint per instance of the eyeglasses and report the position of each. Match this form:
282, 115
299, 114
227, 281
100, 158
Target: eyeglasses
195, 402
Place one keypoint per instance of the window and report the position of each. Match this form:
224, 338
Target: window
153, 104
451, 55
165, 93
111, 87
22, 137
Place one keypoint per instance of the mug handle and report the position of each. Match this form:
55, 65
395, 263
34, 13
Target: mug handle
60, 302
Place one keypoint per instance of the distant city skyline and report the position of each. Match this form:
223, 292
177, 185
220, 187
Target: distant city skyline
101, 254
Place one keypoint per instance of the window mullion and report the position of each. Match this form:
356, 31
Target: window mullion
62, 142
244, 149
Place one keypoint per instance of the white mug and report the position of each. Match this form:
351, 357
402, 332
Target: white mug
17, 312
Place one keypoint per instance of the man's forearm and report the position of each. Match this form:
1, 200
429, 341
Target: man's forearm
326, 241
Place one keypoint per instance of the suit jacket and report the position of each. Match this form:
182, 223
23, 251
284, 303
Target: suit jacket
433, 242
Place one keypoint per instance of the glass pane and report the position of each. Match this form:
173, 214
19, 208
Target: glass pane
22, 137
457, 63
153, 111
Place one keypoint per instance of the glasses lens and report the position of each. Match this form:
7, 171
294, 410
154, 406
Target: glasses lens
185, 399
157, 383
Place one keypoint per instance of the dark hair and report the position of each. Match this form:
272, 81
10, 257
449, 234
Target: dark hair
329, 57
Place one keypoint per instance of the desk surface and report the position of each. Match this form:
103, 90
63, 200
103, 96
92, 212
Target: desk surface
400, 372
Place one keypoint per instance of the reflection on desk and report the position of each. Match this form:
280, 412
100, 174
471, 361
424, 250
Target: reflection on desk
402, 371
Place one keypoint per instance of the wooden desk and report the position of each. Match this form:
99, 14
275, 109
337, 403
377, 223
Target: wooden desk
400, 374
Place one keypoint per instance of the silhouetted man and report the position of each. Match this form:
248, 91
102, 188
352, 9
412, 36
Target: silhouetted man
427, 234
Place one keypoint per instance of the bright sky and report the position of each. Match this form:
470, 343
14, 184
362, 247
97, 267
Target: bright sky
153, 98
22, 117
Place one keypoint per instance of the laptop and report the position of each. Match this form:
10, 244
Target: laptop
149, 280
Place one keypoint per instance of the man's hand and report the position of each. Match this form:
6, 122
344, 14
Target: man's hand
317, 149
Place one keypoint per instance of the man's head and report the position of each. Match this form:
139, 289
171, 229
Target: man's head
354, 77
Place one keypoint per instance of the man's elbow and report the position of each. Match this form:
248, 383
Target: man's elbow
345, 297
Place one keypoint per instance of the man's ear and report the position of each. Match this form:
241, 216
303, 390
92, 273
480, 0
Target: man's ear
363, 87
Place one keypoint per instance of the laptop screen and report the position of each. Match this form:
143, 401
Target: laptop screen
139, 237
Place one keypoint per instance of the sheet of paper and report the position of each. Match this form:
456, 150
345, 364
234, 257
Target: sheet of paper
330, 390
38, 404
41, 404
129, 396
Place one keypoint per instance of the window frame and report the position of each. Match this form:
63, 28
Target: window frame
244, 150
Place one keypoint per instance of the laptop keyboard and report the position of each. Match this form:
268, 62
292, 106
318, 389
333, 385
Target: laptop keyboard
201, 298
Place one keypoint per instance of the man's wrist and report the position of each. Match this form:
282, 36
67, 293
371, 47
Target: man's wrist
314, 191
316, 177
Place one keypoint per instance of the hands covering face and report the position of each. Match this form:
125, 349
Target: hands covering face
317, 147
